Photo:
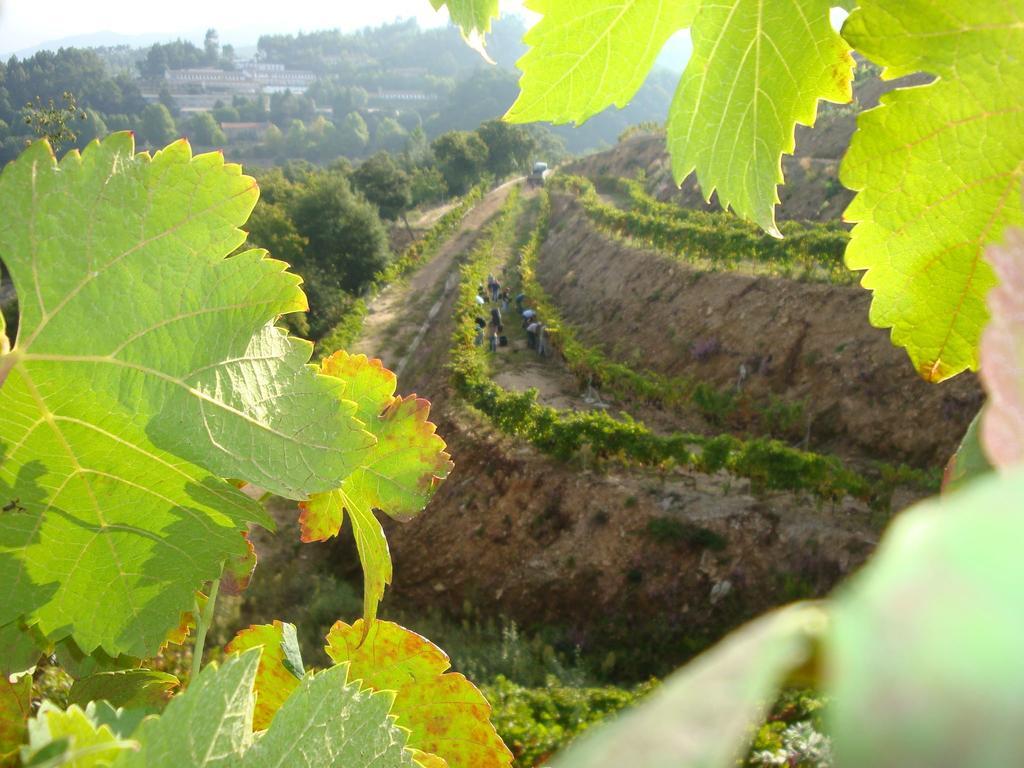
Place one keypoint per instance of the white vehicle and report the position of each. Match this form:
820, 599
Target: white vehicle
538, 174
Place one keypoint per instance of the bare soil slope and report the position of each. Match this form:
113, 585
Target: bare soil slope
806, 342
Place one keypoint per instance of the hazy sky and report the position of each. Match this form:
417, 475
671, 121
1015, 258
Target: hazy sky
26, 23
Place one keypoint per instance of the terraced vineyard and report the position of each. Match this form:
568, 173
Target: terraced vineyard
605, 487
599, 481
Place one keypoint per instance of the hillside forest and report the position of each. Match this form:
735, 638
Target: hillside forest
489, 396
314, 96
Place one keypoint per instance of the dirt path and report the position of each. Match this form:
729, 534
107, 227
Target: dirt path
403, 313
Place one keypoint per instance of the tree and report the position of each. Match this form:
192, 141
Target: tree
347, 241
94, 127
508, 147
385, 185
211, 47
389, 135
347, 100
461, 156
155, 64
167, 99
158, 125
53, 122
224, 114
227, 57
273, 140
417, 150
296, 139
203, 130
353, 135
252, 110
426, 185
410, 120
285, 107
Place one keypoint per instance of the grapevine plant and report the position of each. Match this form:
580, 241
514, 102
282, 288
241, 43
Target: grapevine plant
716, 239
920, 650
769, 464
149, 385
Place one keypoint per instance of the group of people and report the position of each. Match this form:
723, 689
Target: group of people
500, 297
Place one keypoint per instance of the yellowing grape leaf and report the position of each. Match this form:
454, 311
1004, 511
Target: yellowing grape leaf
147, 366
587, 54
427, 760
1002, 356
758, 68
238, 570
399, 475
938, 170
280, 668
446, 714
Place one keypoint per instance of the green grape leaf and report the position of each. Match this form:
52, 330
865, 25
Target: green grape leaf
706, 713
1002, 356
446, 714
399, 475
280, 667
937, 170
924, 647
15, 708
70, 738
210, 724
79, 665
329, 722
22, 648
758, 68
326, 721
147, 366
587, 54
473, 17
121, 720
124, 688
969, 462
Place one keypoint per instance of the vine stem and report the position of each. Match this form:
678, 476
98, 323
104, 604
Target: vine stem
204, 619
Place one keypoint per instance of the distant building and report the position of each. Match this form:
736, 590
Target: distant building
244, 131
209, 79
383, 96
197, 84
278, 77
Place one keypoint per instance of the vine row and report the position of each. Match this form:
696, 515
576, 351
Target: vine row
768, 464
809, 250
720, 408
